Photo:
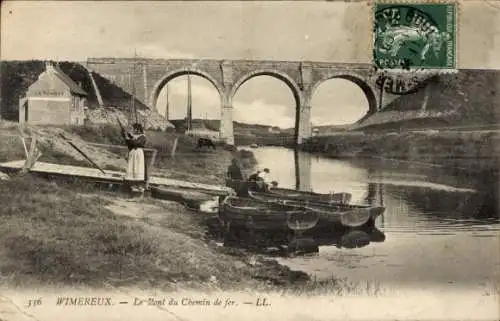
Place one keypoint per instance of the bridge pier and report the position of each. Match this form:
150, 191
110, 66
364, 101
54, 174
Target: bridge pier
304, 122
226, 123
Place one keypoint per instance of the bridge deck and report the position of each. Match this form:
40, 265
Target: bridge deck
110, 176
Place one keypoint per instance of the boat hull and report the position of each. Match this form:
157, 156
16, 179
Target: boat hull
348, 215
249, 213
251, 223
190, 198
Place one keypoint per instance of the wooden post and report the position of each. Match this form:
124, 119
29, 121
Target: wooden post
31, 159
24, 145
150, 167
174, 147
33, 155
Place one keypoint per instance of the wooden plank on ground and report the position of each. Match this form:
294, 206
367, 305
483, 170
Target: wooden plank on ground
115, 176
81, 152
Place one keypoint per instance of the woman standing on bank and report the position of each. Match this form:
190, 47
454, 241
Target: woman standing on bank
136, 170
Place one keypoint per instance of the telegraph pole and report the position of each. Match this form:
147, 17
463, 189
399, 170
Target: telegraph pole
189, 104
168, 105
133, 86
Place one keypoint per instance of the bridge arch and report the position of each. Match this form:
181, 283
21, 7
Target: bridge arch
272, 73
280, 75
153, 99
356, 79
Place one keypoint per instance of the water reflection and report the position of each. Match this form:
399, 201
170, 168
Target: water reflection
346, 238
371, 182
351, 238
437, 227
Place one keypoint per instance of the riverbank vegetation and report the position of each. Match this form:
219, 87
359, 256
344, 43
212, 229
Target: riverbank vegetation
60, 233
466, 151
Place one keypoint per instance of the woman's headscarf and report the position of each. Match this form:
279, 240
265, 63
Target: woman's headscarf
138, 127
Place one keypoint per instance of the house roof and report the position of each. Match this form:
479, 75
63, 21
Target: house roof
73, 86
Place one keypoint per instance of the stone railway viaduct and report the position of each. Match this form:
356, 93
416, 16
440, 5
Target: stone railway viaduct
303, 78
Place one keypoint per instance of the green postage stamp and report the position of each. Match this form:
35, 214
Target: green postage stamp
415, 36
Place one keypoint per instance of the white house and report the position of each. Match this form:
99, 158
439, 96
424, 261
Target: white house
53, 99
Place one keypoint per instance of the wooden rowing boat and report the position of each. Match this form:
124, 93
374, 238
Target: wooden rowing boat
241, 187
348, 215
343, 198
256, 215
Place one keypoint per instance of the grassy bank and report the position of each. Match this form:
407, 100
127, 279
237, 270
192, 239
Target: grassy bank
467, 151
69, 234
54, 233
59, 235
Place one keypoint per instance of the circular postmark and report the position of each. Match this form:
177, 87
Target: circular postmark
401, 84
410, 37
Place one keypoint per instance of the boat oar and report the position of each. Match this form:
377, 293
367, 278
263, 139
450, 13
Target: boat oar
81, 152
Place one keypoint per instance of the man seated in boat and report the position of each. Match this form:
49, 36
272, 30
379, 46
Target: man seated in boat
263, 180
252, 181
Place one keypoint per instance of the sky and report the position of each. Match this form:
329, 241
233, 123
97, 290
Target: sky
333, 31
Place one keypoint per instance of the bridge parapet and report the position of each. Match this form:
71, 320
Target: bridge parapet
147, 77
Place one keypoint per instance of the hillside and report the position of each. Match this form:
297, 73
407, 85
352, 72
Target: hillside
17, 76
467, 98
214, 124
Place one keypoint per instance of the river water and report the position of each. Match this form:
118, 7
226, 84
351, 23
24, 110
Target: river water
439, 229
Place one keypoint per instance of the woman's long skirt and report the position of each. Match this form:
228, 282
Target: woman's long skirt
136, 173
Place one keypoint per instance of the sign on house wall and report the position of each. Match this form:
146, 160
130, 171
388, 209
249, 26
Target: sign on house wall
45, 92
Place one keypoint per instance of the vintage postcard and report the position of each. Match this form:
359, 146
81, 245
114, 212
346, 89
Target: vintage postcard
413, 36
247, 160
